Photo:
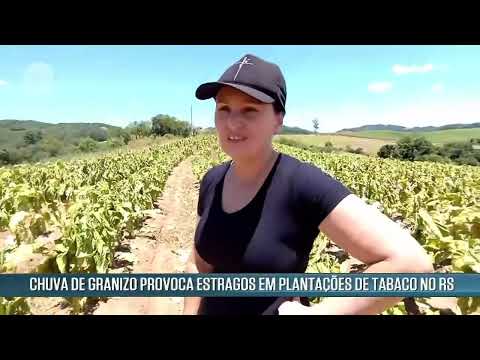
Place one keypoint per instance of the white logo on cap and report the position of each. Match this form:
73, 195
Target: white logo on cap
243, 62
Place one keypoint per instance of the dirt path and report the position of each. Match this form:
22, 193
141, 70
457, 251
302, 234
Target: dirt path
162, 245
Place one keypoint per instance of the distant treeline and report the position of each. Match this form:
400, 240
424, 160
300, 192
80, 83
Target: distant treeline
33, 141
161, 125
38, 145
328, 148
413, 129
294, 130
420, 149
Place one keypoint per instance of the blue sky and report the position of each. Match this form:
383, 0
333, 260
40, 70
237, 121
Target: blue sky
342, 86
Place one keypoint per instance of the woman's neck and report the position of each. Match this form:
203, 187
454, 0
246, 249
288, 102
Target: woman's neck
250, 171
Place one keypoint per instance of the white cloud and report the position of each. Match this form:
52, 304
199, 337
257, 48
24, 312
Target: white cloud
38, 79
438, 88
3, 83
380, 87
439, 113
410, 69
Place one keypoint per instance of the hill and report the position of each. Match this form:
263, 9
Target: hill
436, 137
47, 138
13, 130
376, 127
294, 130
368, 146
381, 127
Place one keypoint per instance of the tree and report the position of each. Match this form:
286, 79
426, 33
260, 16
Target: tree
162, 124
476, 155
388, 151
406, 150
420, 149
51, 146
456, 150
432, 158
87, 145
423, 147
99, 134
115, 142
467, 160
145, 128
4, 157
32, 138
315, 125
125, 135
196, 130
140, 129
165, 124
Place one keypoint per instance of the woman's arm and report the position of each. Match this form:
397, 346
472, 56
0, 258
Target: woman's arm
195, 265
371, 237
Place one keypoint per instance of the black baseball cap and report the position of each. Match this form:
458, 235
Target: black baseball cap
254, 76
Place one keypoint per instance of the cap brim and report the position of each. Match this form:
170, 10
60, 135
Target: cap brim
210, 90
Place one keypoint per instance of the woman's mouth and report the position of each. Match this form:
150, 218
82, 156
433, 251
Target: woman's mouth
236, 139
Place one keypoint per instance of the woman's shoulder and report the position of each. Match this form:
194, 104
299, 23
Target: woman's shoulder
314, 191
214, 173
207, 183
299, 168
308, 179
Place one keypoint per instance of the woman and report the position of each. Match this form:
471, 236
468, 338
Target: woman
262, 211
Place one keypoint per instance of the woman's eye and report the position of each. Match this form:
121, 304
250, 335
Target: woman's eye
250, 111
223, 108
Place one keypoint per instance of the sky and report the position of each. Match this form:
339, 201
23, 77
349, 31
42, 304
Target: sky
341, 86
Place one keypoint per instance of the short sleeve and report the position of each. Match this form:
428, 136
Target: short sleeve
316, 192
206, 183
202, 195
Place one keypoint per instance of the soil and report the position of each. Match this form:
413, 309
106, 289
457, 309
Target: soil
162, 245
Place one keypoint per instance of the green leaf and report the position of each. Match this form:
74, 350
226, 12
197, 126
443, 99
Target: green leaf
61, 261
425, 216
476, 230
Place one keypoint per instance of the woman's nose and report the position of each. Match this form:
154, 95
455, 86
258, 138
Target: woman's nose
234, 121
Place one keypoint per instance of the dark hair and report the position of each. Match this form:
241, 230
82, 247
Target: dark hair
278, 108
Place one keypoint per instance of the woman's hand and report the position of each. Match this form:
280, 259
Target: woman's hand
195, 265
294, 308
374, 239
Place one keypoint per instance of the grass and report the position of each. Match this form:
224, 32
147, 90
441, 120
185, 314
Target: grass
436, 137
369, 146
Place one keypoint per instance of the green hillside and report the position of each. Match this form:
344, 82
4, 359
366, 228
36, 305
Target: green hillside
13, 131
294, 130
436, 137
369, 146
29, 140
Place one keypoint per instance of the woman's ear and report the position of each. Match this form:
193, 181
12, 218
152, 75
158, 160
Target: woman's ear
278, 122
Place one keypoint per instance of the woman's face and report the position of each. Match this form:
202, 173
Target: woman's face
245, 125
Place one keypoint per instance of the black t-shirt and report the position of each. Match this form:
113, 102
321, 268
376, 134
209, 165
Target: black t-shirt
274, 233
